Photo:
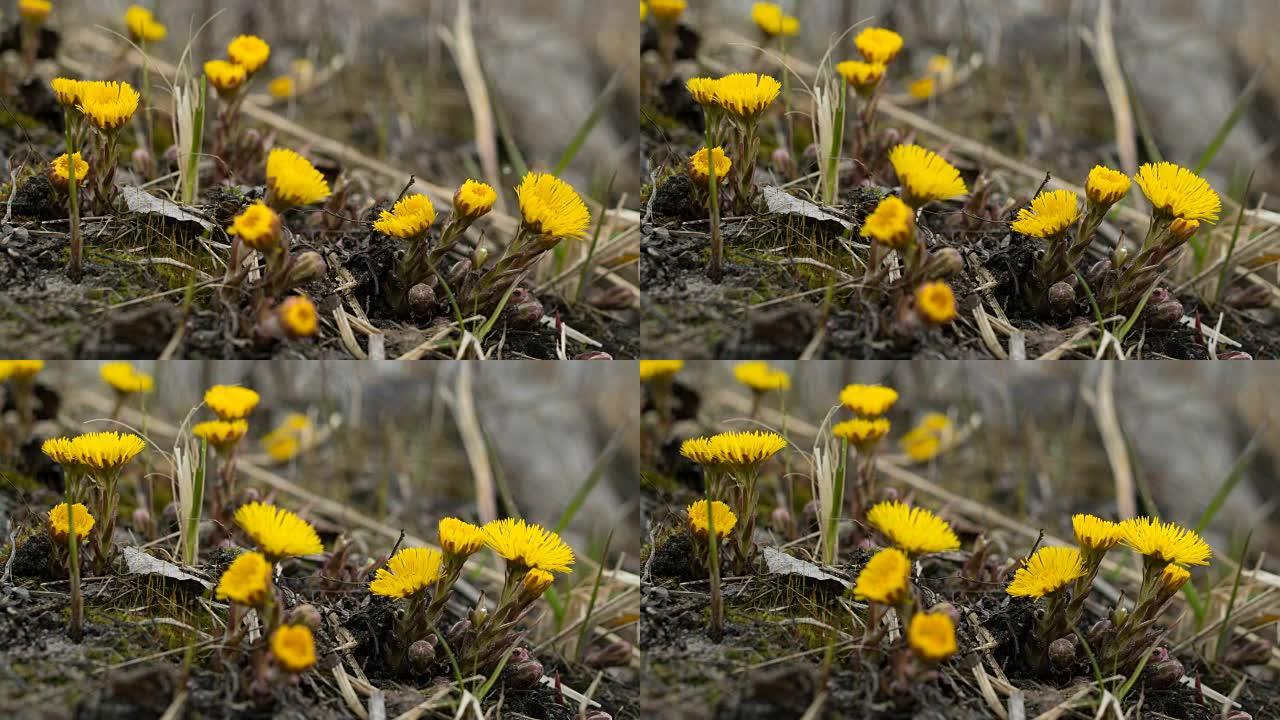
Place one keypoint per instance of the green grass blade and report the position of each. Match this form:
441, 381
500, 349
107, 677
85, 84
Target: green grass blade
593, 118
584, 633
1225, 276
1225, 634
1195, 603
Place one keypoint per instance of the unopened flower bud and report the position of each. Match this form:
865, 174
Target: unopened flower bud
480, 256
422, 655
525, 675
1165, 674
171, 156
947, 609
597, 715
478, 615
782, 162
144, 163
1183, 230
1099, 631
422, 301
458, 273
781, 519
304, 268
1119, 256
1166, 314
594, 355
1237, 715
1234, 355
141, 519
305, 614
1062, 654
527, 313
251, 495
615, 654
1244, 652
1062, 298
944, 263
1098, 271
1246, 298
457, 632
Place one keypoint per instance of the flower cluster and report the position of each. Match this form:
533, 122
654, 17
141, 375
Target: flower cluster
760, 377
125, 379
142, 25
773, 21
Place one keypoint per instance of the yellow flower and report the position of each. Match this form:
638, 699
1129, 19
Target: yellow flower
534, 583
221, 434
758, 376
861, 431
106, 451
34, 11
125, 378
892, 223
298, 317
60, 171
258, 227
528, 545
644, 11
659, 369
922, 88
1094, 533
922, 442
1179, 192
231, 402
700, 450
914, 530
246, 580
61, 450
283, 442
408, 572
21, 370
932, 636
410, 218
861, 76
936, 302
1106, 186
459, 537
293, 180
293, 647
1184, 229
702, 90
878, 44
746, 96
108, 105
282, 87
884, 578
142, 25
700, 169
474, 200
225, 77
721, 516
277, 532
1051, 214
249, 51
67, 91
1173, 577
1048, 570
925, 176
746, 449
939, 64
1165, 542
667, 10
60, 525
550, 206
868, 400
772, 21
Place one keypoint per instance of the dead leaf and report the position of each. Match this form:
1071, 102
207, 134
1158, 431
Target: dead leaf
780, 563
141, 202
140, 563
780, 203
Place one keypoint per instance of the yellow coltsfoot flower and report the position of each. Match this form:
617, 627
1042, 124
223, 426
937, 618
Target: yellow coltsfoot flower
143, 26
700, 450
61, 450
861, 432
294, 648
528, 545
124, 378
60, 171
34, 11
22, 370
863, 77
410, 218
293, 180
225, 77
60, 522
1183, 230
922, 88
868, 400
474, 200
231, 402
1051, 214
222, 434
925, 176
878, 45
747, 449
250, 52
282, 87
246, 580
551, 207
1106, 186
408, 572
885, 578
700, 168
1094, 533
772, 21
277, 532
721, 516
108, 105
106, 451
659, 369
932, 636
534, 583
667, 10
67, 91
1177, 192
1165, 542
761, 377
1173, 577
936, 303
258, 227
297, 316
745, 96
914, 530
459, 538
1048, 570
702, 90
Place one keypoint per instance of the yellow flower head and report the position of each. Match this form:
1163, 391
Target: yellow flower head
1165, 542
474, 200
67, 91
231, 402
106, 451
408, 572
550, 206
125, 378
922, 88
528, 545
249, 51
721, 516
932, 636
410, 218
936, 302
61, 450
746, 96
760, 377
258, 227
142, 25
1048, 570
1179, 192
892, 223
221, 434
884, 579
1106, 186
914, 530
59, 522
1051, 214
702, 90
60, 171
700, 450
747, 449
459, 537
246, 580
659, 369
282, 87
294, 648
277, 532
922, 442
772, 21
878, 44
939, 64
700, 169
1094, 533
34, 11
1173, 577
283, 442
868, 400
863, 77
534, 583
108, 105
644, 11
925, 176
861, 431
1184, 229
20, 370
293, 180
667, 10
298, 317
225, 77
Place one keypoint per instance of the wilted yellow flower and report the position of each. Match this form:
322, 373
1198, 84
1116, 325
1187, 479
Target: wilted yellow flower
67, 91
861, 431
1094, 533
60, 521
293, 180
125, 378
534, 583
408, 572
550, 206
914, 530
246, 580
60, 171
1178, 192
474, 199
659, 369
225, 77
143, 26
760, 377
459, 537
1048, 570
702, 90
868, 400
298, 317
1184, 229
23, 370
410, 218
1106, 186
932, 636
667, 10
863, 77
231, 402
61, 450
922, 88
746, 449
746, 96
700, 450
700, 169
250, 51
1173, 577
108, 105
892, 223
34, 11
772, 21
884, 579
1051, 214
936, 302
282, 87
106, 451
222, 434
878, 44
258, 227
293, 647
721, 516
1165, 542
528, 545
925, 176
277, 532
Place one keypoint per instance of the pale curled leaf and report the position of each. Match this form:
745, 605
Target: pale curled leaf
144, 203
140, 563
780, 203
780, 563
